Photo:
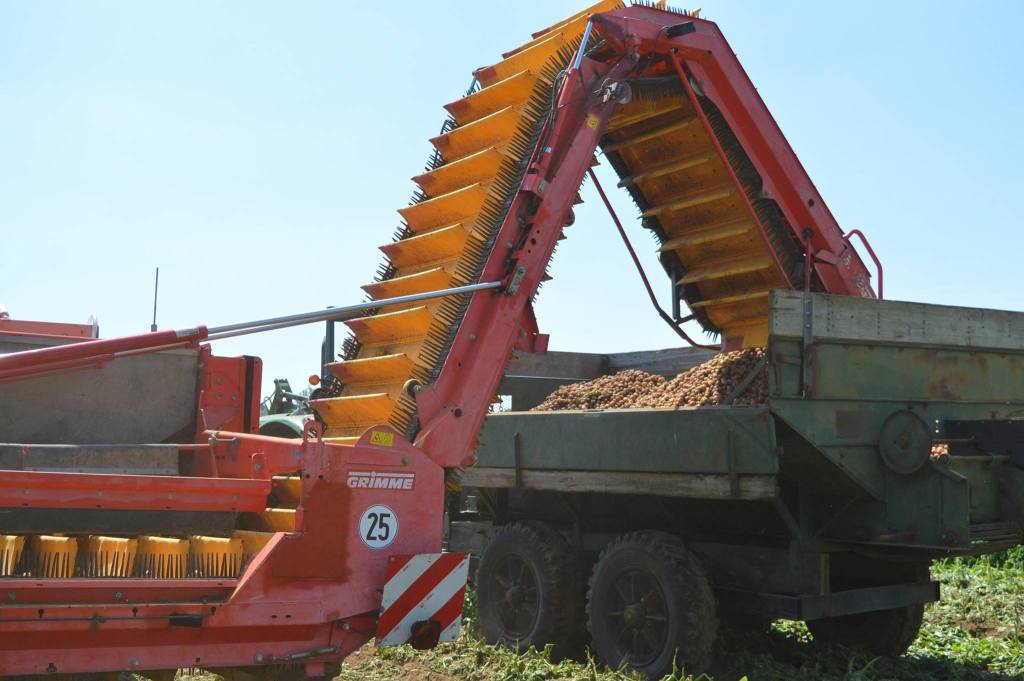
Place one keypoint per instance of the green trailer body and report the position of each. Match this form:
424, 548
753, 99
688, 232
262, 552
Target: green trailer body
860, 390
827, 501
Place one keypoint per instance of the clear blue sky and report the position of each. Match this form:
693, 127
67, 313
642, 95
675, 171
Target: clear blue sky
257, 152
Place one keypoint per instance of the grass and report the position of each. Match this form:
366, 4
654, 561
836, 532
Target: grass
976, 633
470, 659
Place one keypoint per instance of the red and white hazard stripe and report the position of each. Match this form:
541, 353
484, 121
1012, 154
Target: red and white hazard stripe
428, 586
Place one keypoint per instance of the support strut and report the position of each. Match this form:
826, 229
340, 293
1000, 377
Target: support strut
640, 268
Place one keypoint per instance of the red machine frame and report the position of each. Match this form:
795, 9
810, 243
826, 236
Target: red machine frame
312, 595
308, 596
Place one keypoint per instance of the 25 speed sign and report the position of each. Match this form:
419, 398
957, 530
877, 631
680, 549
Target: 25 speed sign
378, 526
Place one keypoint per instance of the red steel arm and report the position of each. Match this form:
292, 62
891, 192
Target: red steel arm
701, 48
94, 352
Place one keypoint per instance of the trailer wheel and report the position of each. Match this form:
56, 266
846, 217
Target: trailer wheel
886, 633
528, 592
650, 606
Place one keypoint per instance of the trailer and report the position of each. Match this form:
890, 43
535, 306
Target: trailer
824, 505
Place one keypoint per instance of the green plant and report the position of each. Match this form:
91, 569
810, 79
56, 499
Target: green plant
975, 633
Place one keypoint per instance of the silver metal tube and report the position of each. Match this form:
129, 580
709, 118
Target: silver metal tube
583, 45
266, 327
215, 332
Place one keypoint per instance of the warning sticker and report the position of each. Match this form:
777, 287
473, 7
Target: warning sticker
382, 438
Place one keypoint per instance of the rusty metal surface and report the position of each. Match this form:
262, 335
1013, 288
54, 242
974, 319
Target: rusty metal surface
845, 318
714, 440
123, 459
842, 368
810, 607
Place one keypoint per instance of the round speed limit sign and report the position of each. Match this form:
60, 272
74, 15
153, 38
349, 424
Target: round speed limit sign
378, 526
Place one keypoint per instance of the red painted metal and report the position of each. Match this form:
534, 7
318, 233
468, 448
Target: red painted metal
94, 352
695, 103
32, 592
229, 392
711, 61
310, 595
64, 331
453, 408
315, 589
35, 489
874, 258
6, 332
529, 338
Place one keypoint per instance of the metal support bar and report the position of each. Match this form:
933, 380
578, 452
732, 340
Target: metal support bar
583, 45
229, 330
836, 604
19, 365
517, 454
808, 259
674, 281
871, 252
640, 268
328, 352
156, 291
806, 370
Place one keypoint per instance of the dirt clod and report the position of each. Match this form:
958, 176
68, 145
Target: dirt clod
706, 384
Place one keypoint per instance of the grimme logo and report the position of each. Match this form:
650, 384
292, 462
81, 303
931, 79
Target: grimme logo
376, 480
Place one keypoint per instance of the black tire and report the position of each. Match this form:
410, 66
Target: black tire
650, 607
528, 591
275, 429
885, 633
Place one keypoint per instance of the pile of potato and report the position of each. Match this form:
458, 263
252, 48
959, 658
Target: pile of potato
705, 384
623, 390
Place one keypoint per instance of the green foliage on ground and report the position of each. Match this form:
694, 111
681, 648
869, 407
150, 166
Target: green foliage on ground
976, 633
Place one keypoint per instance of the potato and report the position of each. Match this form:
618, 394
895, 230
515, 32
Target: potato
706, 384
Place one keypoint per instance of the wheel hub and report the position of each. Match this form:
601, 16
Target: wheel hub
635, 615
518, 597
514, 595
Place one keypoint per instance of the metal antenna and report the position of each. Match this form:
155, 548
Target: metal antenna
156, 289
